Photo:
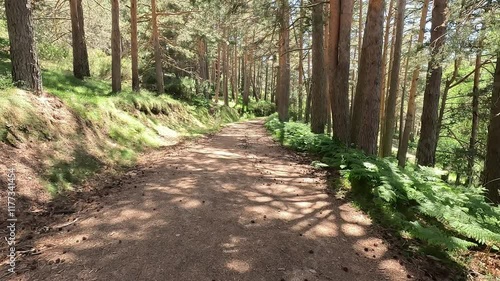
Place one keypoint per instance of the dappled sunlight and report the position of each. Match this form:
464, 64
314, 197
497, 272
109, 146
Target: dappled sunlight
350, 229
238, 266
217, 211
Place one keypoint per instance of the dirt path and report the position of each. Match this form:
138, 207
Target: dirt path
234, 206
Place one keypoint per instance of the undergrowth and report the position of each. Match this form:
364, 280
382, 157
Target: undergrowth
442, 219
84, 128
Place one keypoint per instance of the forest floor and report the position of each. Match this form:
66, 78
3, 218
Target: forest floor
231, 206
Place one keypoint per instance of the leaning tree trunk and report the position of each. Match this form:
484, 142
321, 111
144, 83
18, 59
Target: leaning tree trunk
491, 170
410, 112
25, 68
426, 150
318, 98
160, 84
283, 95
116, 67
390, 112
365, 120
81, 67
134, 50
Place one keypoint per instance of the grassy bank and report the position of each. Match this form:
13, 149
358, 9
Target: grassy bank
437, 218
80, 127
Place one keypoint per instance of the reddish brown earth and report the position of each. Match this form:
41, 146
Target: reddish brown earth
233, 206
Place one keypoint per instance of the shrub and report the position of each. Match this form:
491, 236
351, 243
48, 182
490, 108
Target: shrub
414, 200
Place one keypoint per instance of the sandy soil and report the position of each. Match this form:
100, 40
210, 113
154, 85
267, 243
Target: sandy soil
233, 206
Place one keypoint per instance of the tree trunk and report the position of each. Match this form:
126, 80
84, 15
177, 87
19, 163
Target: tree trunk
390, 113
387, 32
284, 62
365, 120
217, 73
225, 67
403, 95
246, 82
160, 86
301, 63
475, 121
319, 100
410, 112
25, 68
116, 50
340, 45
134, 46
491, 170
81, 67
426, 155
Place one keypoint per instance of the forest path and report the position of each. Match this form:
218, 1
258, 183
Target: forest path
233, 206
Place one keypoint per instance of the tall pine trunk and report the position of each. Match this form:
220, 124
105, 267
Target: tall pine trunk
385, 75
134, 50
491, 170
340, 44
25, 68
318, 98
160, 86
81, 67
116, 50
390, 113
365, 120
410, 112
301, 63
283, 95
426, 150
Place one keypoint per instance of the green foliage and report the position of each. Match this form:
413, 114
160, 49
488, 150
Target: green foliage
413, 200
262, 108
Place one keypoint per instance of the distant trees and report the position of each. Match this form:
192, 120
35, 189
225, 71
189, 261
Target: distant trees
390, 108
81, 67
116, 50
426, 151
410, 112
25, 67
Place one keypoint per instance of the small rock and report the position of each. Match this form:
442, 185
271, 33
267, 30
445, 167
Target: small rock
345, 269
311, 252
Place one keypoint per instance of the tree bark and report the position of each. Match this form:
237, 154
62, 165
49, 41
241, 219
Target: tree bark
410, 112
25, 67
81, 67
491, 171
283, 94
387, 33
365, 120
116, 50
318, 98
134, 50
426, 150
300, 88
160, 84
403, 95
340, 45
390, 113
